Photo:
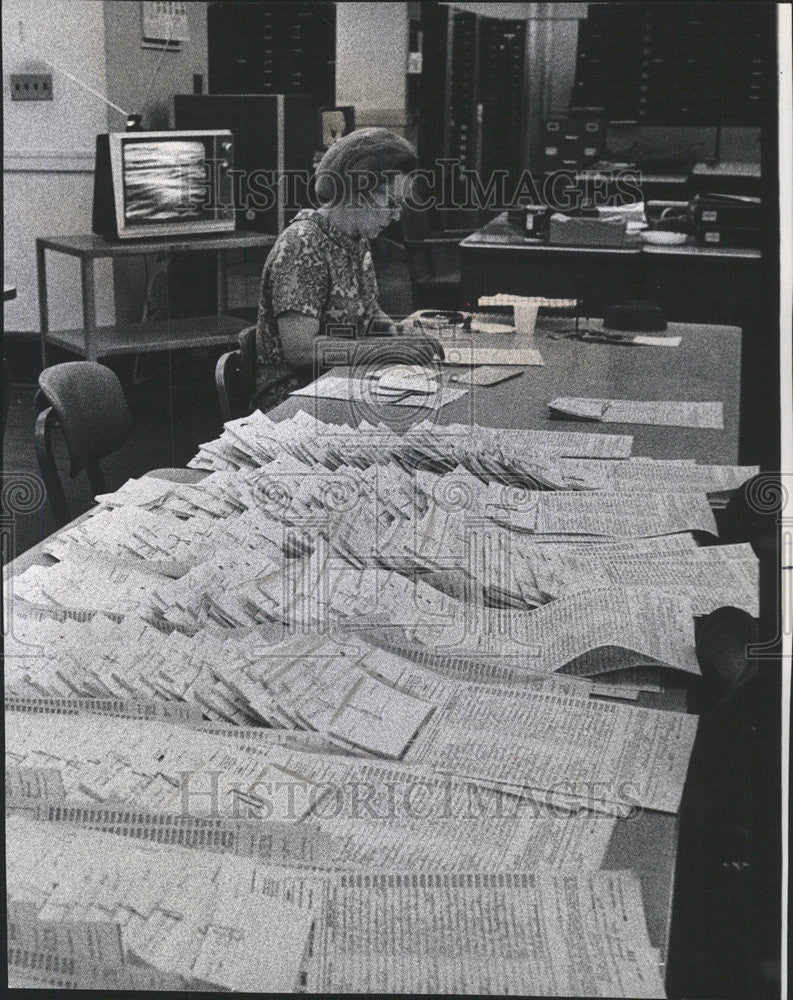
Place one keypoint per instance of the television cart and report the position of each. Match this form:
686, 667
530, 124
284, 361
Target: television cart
94, 342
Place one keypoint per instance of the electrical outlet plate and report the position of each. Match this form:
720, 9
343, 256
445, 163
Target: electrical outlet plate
31, 86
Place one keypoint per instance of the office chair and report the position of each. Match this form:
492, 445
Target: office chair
752, 515
729, 822
432, 257
87, 403
235, 376
722, 640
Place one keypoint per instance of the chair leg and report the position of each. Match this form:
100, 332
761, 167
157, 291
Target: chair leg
49, 473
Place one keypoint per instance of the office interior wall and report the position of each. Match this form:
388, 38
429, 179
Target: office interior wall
48, 154
551, 50
371, 61
145, 81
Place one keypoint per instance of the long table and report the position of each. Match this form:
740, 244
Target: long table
706, 366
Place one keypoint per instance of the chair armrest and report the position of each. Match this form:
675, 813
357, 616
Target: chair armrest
227, 364
49, 472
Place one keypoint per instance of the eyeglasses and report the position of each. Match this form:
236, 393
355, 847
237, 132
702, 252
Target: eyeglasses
376, 199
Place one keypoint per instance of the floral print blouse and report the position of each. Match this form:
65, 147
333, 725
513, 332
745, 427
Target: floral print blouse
316, 270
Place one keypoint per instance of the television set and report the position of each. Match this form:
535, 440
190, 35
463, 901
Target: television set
149, 184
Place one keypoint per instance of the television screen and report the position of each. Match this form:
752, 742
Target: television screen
152, 184
164, 180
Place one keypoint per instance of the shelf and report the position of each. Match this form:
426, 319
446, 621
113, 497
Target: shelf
144, 338
92, 246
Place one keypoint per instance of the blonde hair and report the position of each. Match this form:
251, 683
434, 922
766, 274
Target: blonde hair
361, 162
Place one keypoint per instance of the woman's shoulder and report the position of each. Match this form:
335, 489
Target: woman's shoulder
302, 244
303, 233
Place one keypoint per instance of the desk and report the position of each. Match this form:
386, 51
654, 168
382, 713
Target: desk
706, 365
94, 342
703, 284
692, 284
497, 259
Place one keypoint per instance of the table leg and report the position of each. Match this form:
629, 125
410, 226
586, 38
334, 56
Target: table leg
223, 286
89, 307
44, 322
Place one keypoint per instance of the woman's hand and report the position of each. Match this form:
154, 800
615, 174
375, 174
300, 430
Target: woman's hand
416, 349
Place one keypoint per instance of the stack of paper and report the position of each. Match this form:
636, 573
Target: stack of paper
130, 660
413, 652
230, 923
355, 812
207, 919
255, 441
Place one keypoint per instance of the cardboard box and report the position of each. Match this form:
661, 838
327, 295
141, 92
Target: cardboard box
568, 230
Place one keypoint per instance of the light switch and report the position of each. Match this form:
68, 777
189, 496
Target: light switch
31, 86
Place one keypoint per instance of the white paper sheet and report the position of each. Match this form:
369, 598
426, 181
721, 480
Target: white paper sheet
628, 411
606, 755
465, 354
619, 514
521, 934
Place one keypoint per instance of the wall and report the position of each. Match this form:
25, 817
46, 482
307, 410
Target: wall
551, 42
48, 153
371, 60
145, 81
551, 49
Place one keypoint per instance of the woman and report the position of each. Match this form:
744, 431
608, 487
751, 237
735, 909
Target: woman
318, 286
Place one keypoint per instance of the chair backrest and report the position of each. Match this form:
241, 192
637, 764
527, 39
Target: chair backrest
89, 403
235, 376
723, 639
753, 515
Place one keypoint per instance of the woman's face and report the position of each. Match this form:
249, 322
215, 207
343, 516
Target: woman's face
380, 207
